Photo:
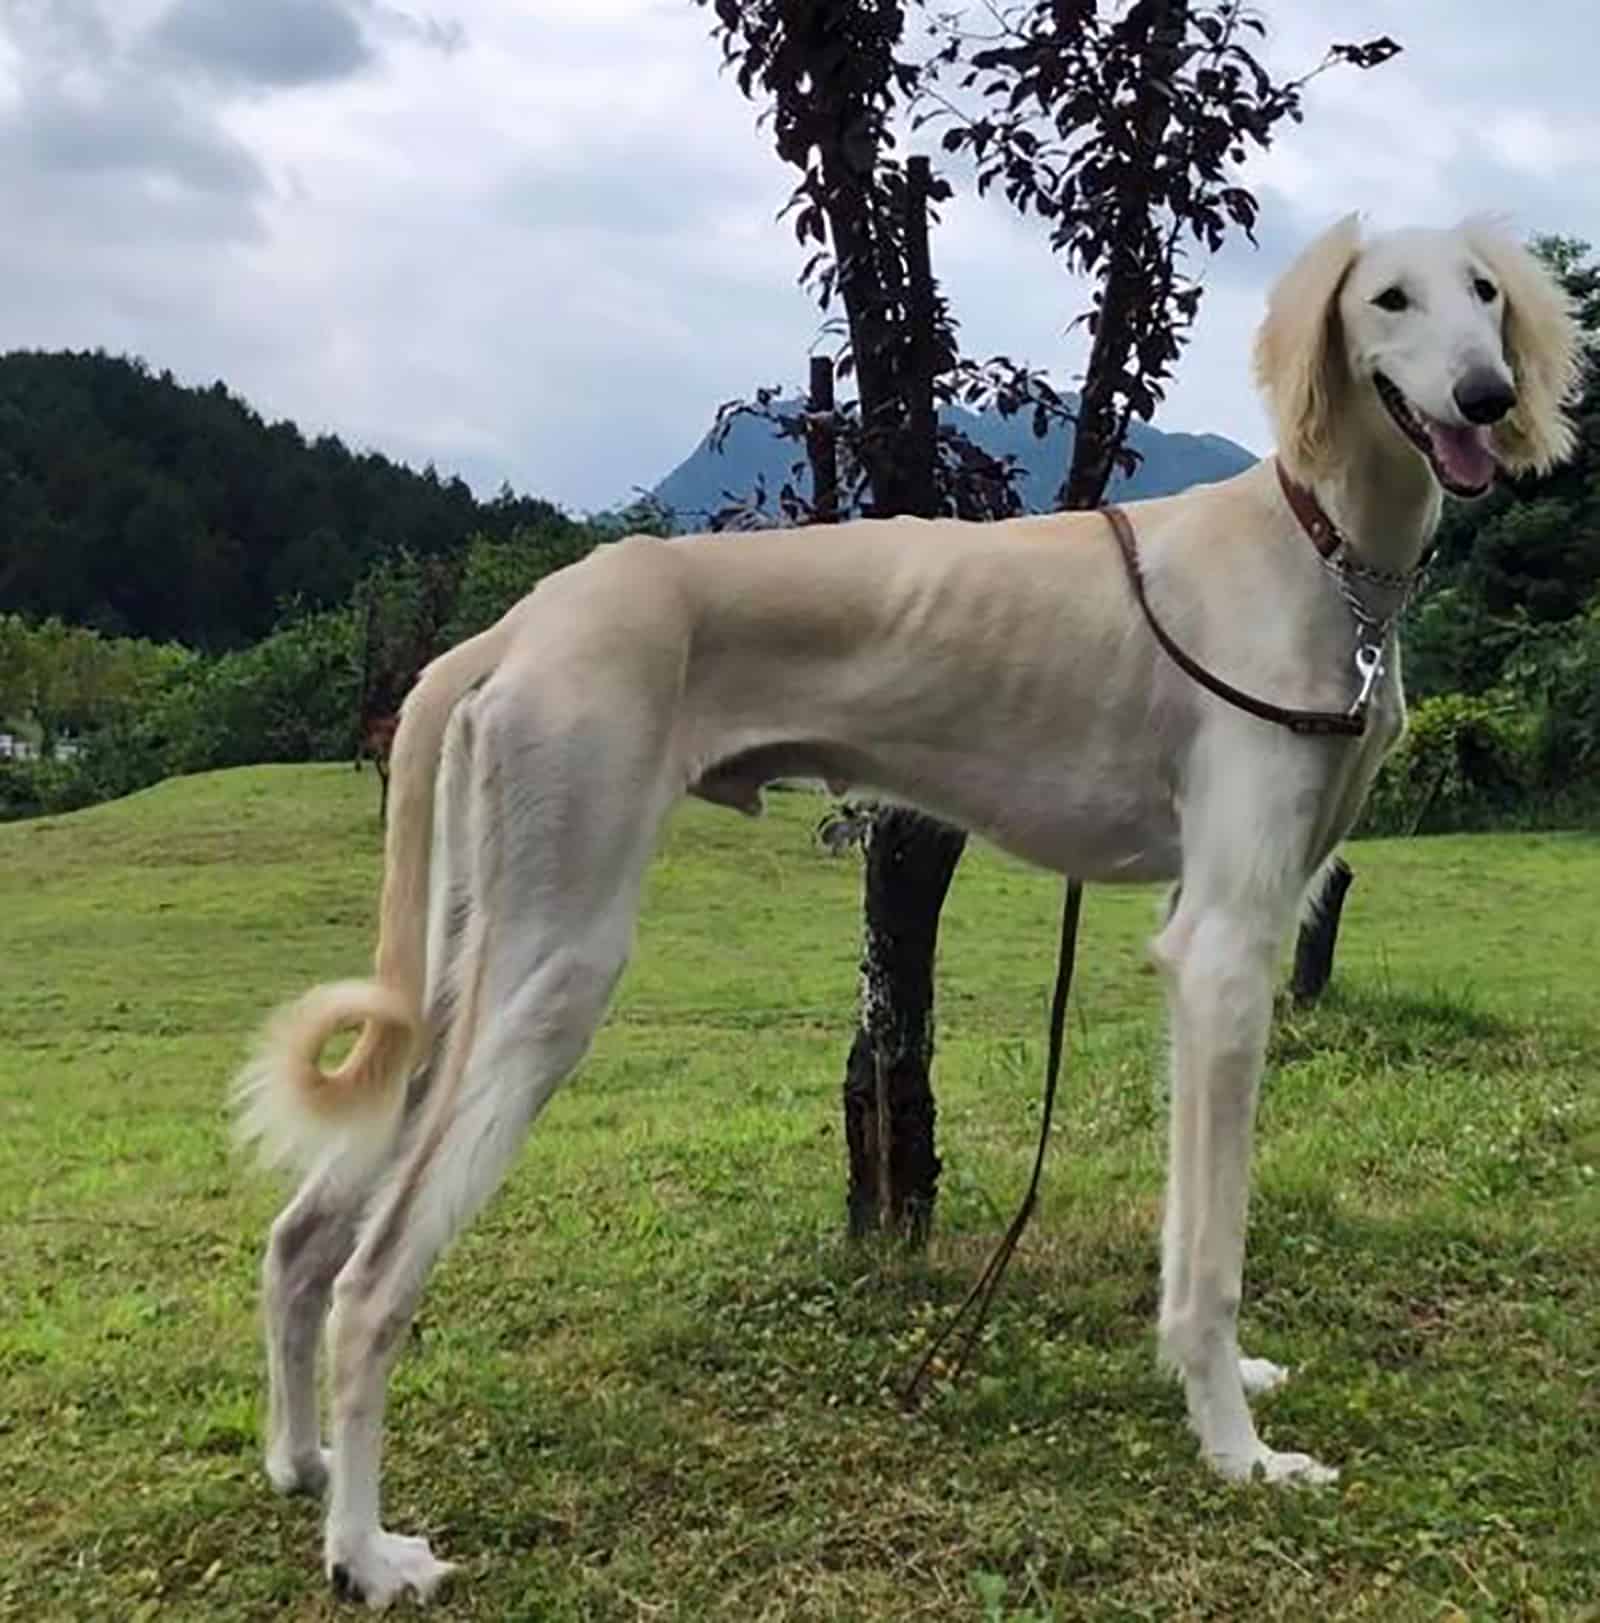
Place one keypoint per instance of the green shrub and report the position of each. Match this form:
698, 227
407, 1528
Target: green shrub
1465, 762
42, 787
1555, 674
496, 574
290, 697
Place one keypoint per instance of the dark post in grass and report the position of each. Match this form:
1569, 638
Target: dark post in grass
1319, 934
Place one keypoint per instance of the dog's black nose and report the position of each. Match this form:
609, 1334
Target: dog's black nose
1484, 397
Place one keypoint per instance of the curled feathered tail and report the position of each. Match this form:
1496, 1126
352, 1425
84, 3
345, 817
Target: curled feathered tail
287, 1105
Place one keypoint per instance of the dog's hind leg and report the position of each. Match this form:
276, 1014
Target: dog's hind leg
308, 1245
564, 826
314, 1235
1218, 954
310, 1242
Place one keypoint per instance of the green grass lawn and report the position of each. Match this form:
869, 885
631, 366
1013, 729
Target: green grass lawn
652, 1382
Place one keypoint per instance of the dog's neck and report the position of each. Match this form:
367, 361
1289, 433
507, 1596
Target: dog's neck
1385, 503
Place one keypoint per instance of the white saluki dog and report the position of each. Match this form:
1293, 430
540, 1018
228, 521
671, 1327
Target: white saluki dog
1003, 677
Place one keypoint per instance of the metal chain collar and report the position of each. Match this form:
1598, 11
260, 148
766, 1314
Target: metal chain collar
1372, 628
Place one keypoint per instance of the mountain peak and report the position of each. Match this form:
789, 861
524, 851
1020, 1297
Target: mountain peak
753, 453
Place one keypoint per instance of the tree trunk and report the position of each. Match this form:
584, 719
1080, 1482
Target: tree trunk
888, 1101
1102, 422
888, 1092
822, 445
1319, 935
867, 302
919, 448
898, 963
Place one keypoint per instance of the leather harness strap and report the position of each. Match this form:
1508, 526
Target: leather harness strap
1318, 723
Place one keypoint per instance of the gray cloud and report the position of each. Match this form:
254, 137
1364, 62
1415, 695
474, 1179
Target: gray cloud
124, 126
289, 44
281, 44
88, 142
446, 35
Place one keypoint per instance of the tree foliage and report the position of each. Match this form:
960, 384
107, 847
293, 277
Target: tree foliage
136, 506
1122, 129
140, 711
58, 680
835, 79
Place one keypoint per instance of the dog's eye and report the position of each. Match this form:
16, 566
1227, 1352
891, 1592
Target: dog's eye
1392, 299
1485, 289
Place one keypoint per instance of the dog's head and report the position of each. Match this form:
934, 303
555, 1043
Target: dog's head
1457, 346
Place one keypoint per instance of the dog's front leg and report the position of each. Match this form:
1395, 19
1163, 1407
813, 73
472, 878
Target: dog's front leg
1218, 963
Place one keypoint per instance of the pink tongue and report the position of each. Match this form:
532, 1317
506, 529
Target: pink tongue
1463, 454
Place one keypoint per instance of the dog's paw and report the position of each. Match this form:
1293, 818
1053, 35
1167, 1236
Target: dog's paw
381, 1566
305, 1473
1299, 1469
1268, 1465
1258, 1375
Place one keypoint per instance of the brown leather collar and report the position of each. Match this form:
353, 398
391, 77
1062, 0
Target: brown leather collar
1321, 723
1321, 529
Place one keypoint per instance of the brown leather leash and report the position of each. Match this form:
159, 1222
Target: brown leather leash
1323, 535
982, 1294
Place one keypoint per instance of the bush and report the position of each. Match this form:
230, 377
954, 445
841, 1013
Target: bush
1556, 675
19, 790
291, 697
496, 574
1465, 762
43, 787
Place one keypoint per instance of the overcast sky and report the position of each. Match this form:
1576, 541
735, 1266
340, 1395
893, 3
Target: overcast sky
536, 241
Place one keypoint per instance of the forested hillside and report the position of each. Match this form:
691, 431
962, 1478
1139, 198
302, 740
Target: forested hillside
139, 507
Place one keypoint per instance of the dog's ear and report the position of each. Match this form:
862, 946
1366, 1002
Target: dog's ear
1542, 347
1298, 367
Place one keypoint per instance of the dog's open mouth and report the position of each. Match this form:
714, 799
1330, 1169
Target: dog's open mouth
1461, 458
